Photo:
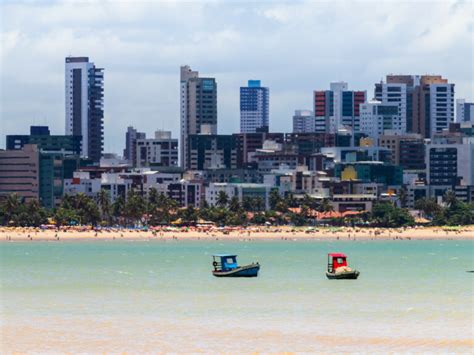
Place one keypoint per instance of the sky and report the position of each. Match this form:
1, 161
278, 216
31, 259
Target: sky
293, 47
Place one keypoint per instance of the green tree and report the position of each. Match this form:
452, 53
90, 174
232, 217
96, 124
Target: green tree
403, 196
104, 202
118, 209
234, 205
429, 207
222, 199
450, 198
274, 199
385, 214
134, 207
325, 206
189, 215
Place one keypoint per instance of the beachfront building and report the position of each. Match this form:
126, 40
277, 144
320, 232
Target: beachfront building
353, 202
187, 192
19, 172
240, 190
198, 109
299, 181
161, 151
84, 84
254, 107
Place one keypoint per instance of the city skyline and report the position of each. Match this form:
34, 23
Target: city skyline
152, 101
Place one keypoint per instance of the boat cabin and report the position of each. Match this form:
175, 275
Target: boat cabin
336, 260
224, 262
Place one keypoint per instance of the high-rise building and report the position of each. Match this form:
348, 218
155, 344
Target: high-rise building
198, 108
254, 107
427, 101
338, 107
376, 118
131, 137
85, 105
159, 151
464, 111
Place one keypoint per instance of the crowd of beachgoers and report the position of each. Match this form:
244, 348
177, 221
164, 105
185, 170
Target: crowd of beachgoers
243, 233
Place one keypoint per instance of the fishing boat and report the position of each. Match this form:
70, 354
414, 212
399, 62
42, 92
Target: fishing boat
338, 268
225, 265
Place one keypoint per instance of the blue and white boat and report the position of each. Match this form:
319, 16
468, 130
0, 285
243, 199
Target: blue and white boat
225, 265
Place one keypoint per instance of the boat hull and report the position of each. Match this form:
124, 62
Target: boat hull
242, 271
349, 275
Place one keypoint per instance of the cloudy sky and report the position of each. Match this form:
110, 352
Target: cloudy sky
293, 47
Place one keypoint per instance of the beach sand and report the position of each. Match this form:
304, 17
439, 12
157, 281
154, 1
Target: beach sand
260, 233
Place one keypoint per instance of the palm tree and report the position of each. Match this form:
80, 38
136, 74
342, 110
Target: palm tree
274, 198
450, 198
104, 203
403, 196
222, 199
325, 206
234, 204
259, 204
11, 206
118, 207
428, 206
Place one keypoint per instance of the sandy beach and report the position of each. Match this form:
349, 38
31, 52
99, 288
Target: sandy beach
236, 233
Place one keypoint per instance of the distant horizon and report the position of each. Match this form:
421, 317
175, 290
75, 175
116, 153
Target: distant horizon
293, 48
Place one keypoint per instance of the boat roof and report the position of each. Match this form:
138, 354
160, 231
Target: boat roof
338, 255
224, 255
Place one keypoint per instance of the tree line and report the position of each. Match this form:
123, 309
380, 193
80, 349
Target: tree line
159, 209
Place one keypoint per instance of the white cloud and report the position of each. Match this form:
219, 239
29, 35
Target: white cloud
294, 47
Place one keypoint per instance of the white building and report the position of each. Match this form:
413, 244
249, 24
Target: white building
84, 86
241, 190
377, 117
441, 106
82, 183
396, 93
159, 151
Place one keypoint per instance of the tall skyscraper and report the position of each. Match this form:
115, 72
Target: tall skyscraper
131, 137
338, 107
85, 105
426, 102
254, 107
198, 108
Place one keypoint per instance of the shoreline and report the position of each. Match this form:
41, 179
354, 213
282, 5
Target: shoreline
240, 234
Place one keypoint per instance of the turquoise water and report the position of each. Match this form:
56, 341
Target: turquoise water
160, 295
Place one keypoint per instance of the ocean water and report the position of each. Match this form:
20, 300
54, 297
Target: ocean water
147, 296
